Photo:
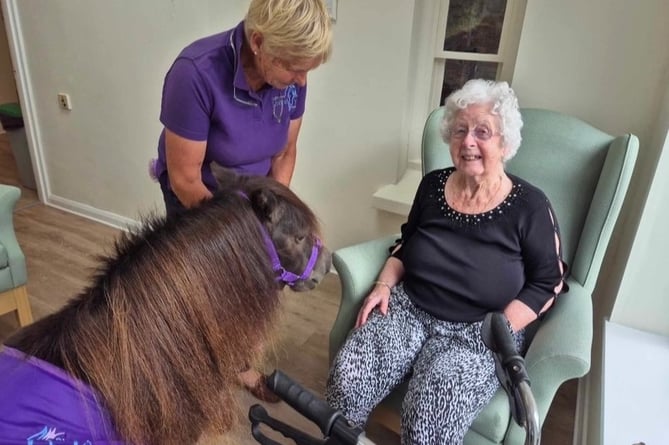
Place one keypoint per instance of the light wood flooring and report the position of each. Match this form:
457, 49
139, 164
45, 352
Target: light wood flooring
61, 250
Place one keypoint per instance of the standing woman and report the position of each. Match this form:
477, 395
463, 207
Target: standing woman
237, 98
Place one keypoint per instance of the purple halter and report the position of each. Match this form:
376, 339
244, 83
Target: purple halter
286, 276
282, 275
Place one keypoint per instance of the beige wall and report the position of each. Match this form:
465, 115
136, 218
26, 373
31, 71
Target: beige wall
7, 84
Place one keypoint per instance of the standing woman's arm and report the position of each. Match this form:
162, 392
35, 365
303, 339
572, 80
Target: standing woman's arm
184, 167
283, 163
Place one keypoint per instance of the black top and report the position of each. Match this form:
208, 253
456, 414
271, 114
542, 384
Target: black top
460, 266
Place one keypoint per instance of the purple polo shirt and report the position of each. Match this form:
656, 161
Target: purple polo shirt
40, 404
206, 97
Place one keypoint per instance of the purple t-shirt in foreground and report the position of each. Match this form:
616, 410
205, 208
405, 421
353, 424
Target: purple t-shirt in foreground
206, 97
41, 404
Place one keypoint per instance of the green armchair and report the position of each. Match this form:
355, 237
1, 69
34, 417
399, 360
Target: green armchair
585, 173
13, 277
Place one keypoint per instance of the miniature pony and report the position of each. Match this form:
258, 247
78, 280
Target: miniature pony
148, 353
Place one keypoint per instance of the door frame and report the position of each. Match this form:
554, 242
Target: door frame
25, 93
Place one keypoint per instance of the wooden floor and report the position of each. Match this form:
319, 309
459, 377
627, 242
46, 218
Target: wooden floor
60, 249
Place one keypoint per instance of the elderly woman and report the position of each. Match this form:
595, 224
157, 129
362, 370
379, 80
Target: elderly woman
477, 240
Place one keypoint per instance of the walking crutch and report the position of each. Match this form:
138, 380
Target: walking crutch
511, 372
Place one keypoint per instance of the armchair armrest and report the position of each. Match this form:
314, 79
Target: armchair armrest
357, 266
560, 350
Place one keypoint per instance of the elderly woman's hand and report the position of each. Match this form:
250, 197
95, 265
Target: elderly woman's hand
379, 296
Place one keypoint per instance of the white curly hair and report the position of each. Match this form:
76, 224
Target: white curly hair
504, 105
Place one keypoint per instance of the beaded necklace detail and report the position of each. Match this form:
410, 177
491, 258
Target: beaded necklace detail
473, 218
486, 205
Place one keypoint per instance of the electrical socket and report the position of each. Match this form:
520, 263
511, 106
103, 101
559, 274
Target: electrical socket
64, 101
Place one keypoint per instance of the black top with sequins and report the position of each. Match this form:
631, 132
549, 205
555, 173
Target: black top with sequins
460, 266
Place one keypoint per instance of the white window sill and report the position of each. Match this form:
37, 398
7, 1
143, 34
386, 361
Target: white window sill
397, 198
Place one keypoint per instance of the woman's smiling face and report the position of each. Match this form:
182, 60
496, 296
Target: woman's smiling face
476, 144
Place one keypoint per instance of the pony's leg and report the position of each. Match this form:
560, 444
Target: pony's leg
255, 382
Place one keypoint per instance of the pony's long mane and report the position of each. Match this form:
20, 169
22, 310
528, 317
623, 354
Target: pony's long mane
170, 318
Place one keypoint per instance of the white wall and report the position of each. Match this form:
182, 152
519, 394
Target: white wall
351, 136
606, 61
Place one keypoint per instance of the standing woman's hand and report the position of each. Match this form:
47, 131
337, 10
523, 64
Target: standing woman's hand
378, 297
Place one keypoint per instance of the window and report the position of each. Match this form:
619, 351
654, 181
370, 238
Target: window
454, 41
473, 44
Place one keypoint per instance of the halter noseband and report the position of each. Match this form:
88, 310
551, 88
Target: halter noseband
282, 275
285, 276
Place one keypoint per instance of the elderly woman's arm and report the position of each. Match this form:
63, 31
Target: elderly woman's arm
545, 272
520, 315
390, 275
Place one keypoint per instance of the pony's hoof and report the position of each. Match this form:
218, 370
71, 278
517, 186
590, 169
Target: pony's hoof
261, 391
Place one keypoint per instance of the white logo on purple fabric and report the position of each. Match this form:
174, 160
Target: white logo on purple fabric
291, 98
50, 436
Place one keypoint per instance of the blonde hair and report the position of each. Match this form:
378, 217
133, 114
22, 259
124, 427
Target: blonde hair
291, 29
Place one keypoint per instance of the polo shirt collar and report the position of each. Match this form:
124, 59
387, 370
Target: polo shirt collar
236, 41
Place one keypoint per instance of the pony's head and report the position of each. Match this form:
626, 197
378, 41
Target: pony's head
290, 228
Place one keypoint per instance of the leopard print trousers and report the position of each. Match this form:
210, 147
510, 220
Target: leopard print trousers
450, 370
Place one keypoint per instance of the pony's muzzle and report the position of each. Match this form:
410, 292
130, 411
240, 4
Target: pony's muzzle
321, 268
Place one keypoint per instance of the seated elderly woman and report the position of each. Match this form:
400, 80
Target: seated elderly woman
477, 240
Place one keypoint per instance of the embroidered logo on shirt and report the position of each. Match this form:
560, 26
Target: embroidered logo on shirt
50, 436
291, 98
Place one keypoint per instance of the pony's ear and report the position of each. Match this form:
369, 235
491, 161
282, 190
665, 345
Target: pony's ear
265, 204
225, 177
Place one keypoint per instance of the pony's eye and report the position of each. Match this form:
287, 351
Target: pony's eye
299, 239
